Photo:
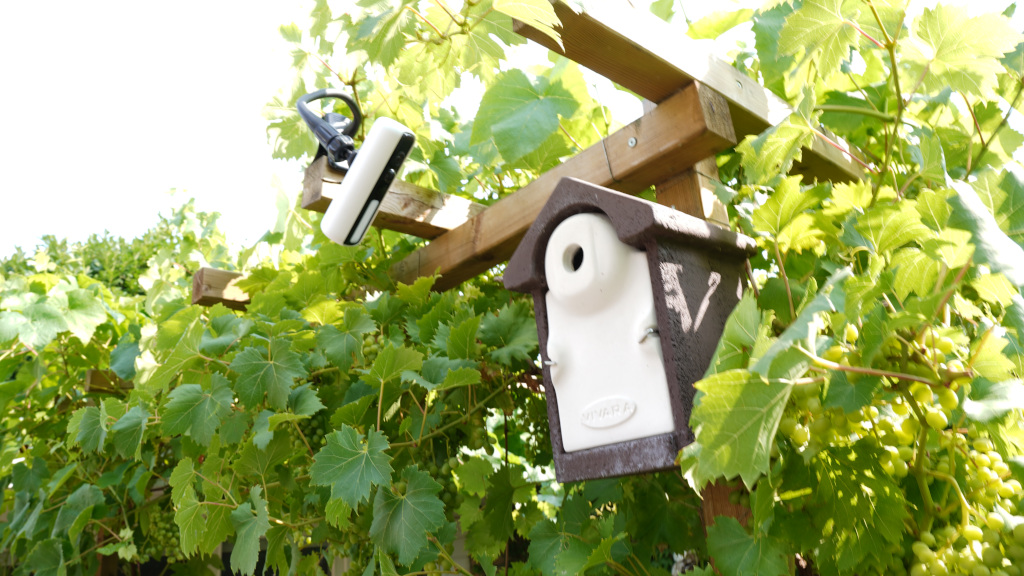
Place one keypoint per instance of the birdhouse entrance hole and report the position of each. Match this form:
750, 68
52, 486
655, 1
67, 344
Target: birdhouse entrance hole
573, 258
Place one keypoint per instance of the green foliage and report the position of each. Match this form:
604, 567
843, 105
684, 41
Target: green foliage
866, 391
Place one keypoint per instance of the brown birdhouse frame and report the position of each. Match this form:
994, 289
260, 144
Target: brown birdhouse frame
697, 272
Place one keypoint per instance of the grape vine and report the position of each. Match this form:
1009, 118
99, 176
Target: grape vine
865, 401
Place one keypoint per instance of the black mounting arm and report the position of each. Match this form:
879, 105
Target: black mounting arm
333, 131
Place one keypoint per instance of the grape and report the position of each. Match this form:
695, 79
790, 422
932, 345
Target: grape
972, 532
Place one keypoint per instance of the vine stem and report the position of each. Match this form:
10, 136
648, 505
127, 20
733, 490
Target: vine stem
919, 470
222, 489
1002, 123
423, 18
949, 293
855, 110
448, 557
965, 514
836, 145
303, 436
785, 279
870, 38
859, 370
455, 422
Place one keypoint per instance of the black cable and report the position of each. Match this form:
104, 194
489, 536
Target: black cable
339, 145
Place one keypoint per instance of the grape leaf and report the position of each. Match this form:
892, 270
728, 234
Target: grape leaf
993, 246
867, 506
1002, 191
11, 325
538, 14
738, 337
850, 396
735, 419
351, 466
185, 350
830, 298
391, 362
819, 28
92, 428
951, 49
183, 475
81, 501
345, 346
737, 553
267, 373
462, 339
43, 324
188, 515
512, 332
916, 272
402, 522
518, 115
218, 528
889, 227
717, 23
223, 332
122, 358
382, 36
304, 401
84, 314
47, 559
505, 490
991, 400
195, 412
251, 522
473, 475
773, 152
128, 432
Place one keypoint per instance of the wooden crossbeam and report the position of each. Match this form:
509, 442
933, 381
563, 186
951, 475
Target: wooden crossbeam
211, 286
679, 132
406, 208
105, 382
646, 55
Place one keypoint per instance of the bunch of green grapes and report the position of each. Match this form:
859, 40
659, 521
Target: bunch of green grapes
970, 498
160, 538
476, 433
372, 345
314, 429
444, 476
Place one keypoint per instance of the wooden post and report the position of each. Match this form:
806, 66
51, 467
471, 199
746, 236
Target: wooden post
692, 192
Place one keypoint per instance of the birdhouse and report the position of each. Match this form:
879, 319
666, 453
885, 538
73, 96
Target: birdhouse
630, 298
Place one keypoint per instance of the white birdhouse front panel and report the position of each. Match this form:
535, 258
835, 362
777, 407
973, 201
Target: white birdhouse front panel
603, 347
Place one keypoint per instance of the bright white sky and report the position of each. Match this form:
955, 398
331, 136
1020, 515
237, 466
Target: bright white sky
108, 105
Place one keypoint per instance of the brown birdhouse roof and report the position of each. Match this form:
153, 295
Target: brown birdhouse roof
637, 223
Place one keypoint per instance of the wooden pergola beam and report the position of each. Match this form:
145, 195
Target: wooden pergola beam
211, 286
646, 55
685, 128
406, 208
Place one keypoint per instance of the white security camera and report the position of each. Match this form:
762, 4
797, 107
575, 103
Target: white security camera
369, 171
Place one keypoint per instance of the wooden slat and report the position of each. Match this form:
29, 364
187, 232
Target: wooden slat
211, 286
678, 133
646, 55
406, 208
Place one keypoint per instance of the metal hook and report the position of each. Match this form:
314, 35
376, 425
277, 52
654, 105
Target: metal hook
648, 332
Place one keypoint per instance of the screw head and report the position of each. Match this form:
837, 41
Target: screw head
631, 142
